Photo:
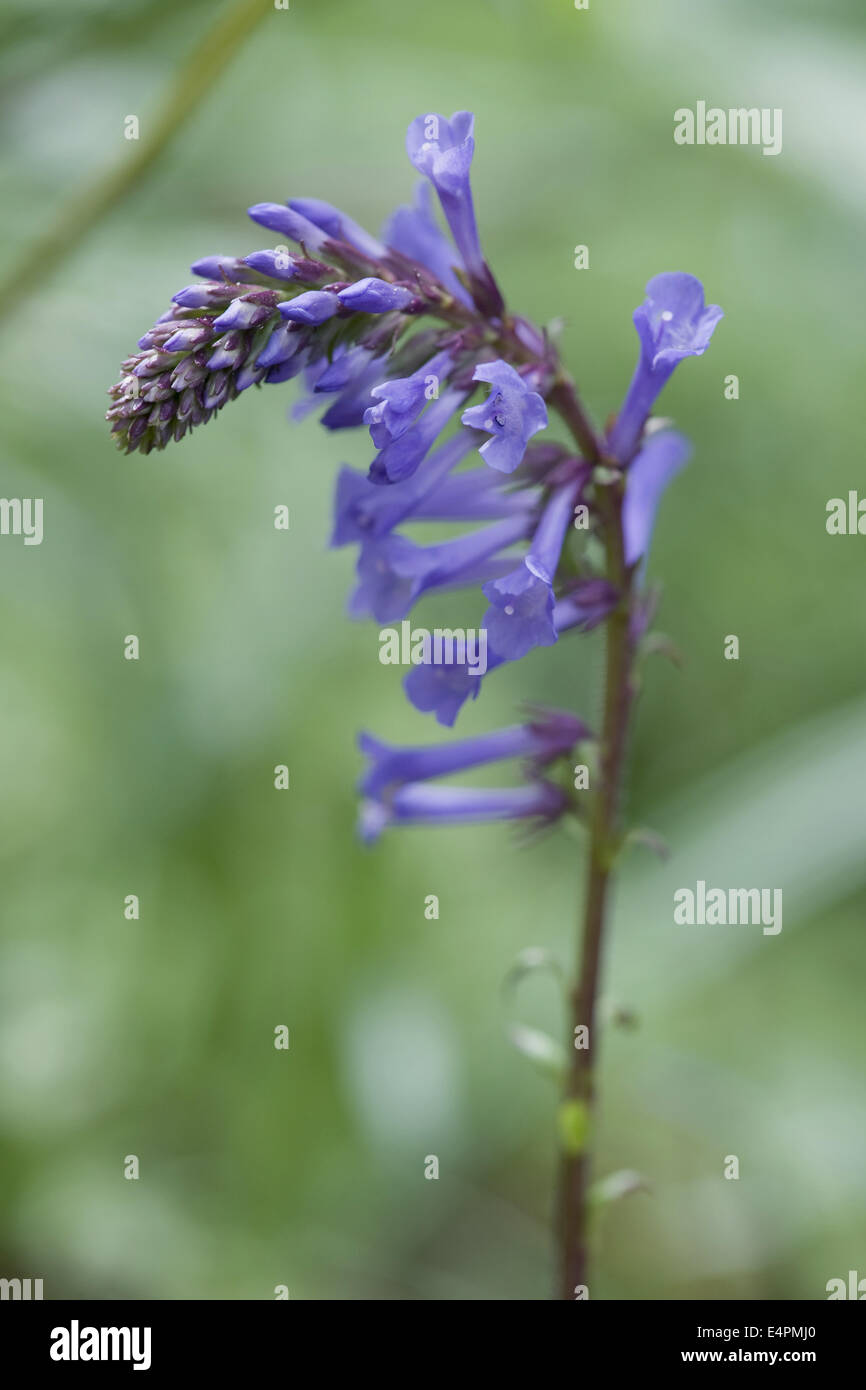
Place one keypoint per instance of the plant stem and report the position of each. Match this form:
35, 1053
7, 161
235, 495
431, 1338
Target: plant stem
565, 399
579, 1094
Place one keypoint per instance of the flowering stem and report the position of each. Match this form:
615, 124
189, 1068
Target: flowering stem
565, 399
579, 1093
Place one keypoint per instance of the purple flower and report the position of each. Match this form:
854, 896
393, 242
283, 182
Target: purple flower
229, 351
672, 323
288, 223
350, 375
401, 456
660, 459
442, 151
512, 414
313, 307
413, 231
286, 369
476, 495
548, 737
278, 263
372, 296
400, 401
522, 602
338, 226
191, 335
345, 366
224, 268
363, 511
417, 803
393, 571
249, 311
285, 341
443, 690
204, 296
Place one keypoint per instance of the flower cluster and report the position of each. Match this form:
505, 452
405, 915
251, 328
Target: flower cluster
400, 333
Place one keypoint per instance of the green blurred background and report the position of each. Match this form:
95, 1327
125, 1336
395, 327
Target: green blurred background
155, 1037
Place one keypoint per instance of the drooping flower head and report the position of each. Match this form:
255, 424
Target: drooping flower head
407, 333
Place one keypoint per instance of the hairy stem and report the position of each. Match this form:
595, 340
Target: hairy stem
579, 1096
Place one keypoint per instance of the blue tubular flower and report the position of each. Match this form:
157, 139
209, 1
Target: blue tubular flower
443, 690
317, 369
417, 803
338, 226
413, 232
477, 495
345, 366
551, 735
393, 572
521, 612
286, 370
442, 151
512, 414
660, 459
399, 402
279, 264
284, 342
229, 351
402, 456
350, 375
247, 311
373, 296
363, 511
348, 410
288, 223
313, 307
188, 337
208, 296
224, 268
672, 323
